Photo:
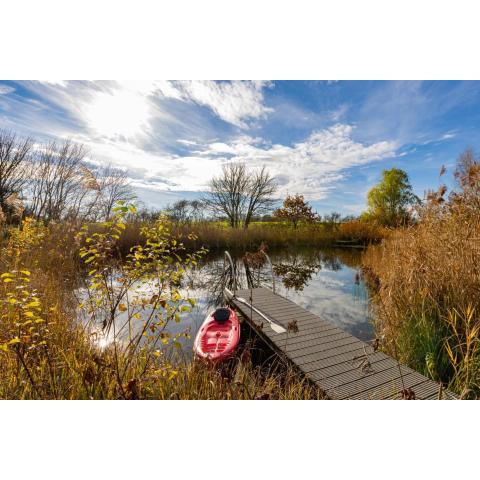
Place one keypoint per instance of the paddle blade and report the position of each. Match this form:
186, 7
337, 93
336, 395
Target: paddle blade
277, 328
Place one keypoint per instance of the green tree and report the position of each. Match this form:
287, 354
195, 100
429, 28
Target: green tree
390, 202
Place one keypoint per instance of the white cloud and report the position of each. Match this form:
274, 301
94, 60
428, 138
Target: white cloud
129, 109
122, 110
187, 142
339, 113
55, 83
234, 102
310, 167
4, 89
448, 136
155, 171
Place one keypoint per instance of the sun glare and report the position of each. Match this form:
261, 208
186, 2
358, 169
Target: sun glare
122, 113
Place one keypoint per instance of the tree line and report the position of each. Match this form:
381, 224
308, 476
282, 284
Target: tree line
240, 195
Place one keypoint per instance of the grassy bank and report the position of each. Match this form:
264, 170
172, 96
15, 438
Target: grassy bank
46, 353
426, 284
216, 236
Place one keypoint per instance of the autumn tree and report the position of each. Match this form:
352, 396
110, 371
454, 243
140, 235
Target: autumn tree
390, 202
295, 209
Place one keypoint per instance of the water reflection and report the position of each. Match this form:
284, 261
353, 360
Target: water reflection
334, 290
296, 273
325, 282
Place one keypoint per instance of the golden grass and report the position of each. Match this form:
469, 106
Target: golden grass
217, 236
79, 371
426, 284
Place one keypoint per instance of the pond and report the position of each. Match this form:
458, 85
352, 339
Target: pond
326, 282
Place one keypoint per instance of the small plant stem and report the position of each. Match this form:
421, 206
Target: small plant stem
29, 375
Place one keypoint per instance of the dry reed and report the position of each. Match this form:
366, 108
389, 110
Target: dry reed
426, 285
215, 236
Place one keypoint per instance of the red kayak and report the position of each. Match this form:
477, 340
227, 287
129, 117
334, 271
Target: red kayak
218, 336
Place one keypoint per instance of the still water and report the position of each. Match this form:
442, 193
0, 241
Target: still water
325, 282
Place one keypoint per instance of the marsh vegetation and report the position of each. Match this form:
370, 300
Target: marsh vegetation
425, 278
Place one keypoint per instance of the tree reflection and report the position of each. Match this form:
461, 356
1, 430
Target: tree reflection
295, 275
214, 276
294, 268
217, 276
330, 260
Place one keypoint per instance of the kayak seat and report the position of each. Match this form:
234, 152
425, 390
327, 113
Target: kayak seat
221, 314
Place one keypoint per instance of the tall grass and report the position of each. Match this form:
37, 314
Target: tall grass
426, 292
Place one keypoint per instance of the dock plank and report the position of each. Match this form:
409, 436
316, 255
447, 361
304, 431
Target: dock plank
329, 356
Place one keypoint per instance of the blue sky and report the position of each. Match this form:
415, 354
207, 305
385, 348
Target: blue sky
328, 140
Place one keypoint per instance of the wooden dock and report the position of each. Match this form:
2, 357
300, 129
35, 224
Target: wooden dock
342, 366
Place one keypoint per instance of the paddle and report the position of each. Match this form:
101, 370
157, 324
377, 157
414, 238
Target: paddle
275, 326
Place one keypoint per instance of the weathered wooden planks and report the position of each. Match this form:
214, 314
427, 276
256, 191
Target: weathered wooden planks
343, 366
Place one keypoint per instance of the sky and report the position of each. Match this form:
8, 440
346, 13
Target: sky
326, 140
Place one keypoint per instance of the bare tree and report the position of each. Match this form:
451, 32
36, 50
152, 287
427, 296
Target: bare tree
332, 220
262, 187
227, 193
197, 210
183, 211
60, 183
178, 211
239, 194
113, 187
14, 164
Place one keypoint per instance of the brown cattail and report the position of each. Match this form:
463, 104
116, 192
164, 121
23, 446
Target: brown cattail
473, 174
